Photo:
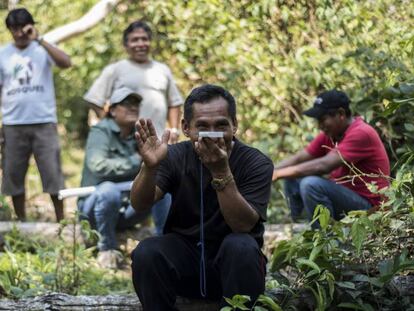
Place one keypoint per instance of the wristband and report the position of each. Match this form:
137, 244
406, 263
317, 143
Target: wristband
175, 131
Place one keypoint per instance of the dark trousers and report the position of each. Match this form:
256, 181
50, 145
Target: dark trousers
166, 266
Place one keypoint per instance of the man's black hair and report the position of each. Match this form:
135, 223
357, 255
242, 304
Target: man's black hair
204, 94
19, 18
136, 25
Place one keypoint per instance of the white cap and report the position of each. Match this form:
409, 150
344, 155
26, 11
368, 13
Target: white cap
120, 94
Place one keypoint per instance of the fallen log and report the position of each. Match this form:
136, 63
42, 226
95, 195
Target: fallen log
64, 302
48, 231
403, 286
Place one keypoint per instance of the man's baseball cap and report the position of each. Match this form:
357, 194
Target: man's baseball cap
327, 101
19, 17
121, 93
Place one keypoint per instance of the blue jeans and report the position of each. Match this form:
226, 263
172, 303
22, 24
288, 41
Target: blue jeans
108, 209
306, 193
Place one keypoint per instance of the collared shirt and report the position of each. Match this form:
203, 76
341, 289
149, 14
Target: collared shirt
179, 174
109, 157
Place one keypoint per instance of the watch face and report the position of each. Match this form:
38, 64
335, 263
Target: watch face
217, 183
221, 183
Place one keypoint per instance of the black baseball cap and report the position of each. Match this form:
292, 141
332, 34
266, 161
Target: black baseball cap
327, 101
19, 17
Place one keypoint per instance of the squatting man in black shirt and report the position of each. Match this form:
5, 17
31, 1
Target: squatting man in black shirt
220, 191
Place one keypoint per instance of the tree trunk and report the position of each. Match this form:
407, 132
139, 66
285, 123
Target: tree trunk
63, 302
90, 19
12, 4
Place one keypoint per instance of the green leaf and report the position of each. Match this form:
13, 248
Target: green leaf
409, 127
376, 282
323, 215
16, 291
280, 255
238, 301
312, 273
360, 278
322, 298
386, 267
315, 252
406, 265
331, 283
349, 285
365, 278
267, 301
358, 234
308, 263
407, 89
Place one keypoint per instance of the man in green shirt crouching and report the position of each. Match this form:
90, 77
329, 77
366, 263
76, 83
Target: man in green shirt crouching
111, 163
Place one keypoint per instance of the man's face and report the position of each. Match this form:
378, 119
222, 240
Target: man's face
331, 125
125, 114
212, 117
138, 45
21, 39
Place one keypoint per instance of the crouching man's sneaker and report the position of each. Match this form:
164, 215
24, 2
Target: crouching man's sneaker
110, 259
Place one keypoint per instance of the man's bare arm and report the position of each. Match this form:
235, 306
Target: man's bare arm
299, 157
99, 111
144, 192
318, 166
61, 59
237, 212
174, 118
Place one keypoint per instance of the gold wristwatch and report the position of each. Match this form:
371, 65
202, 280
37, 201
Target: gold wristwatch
219, 184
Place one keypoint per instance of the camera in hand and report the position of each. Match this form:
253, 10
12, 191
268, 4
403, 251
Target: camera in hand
28, 30
211, 134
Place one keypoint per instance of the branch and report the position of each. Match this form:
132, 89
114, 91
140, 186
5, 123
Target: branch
12, 4
90, 19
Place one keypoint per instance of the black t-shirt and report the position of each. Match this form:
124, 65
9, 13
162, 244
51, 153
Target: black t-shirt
179, 174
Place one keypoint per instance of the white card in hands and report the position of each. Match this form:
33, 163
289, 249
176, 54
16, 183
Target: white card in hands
211, 134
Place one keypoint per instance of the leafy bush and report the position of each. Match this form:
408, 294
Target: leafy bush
351, 263
31, 266
274, 56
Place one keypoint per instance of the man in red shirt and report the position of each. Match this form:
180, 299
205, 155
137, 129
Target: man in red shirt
348, 149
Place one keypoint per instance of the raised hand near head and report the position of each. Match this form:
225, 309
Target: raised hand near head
214, 154
150, 147
31, 32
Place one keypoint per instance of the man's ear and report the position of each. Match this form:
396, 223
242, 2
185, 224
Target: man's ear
235, 127
185, 127
341, 112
